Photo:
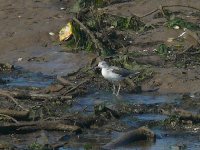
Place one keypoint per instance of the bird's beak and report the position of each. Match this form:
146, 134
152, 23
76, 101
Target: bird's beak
97, 67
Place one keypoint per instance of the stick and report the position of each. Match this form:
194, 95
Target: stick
9, 117
4, 93
153, 11
149, 13
74, 88
92, 37
64, 81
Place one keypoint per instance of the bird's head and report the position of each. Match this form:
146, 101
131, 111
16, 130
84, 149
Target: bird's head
102, 64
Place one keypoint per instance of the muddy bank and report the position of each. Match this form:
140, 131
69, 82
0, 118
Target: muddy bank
174, 80
25, 40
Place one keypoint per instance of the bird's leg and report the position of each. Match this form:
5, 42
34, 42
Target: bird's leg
118, 90
113, 88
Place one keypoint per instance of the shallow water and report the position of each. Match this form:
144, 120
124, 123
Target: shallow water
166, 140
108, 98
95, 138
21, 78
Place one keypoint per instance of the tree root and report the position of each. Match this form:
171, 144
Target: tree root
75, 87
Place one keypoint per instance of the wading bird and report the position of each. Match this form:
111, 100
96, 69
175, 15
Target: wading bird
114, 74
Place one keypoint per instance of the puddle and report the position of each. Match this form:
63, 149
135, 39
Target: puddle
150, 98
19, 78
49, 61
136, 119
107, 97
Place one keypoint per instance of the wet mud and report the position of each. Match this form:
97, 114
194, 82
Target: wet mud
53, 99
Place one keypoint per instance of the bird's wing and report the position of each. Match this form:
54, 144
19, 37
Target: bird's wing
120, 71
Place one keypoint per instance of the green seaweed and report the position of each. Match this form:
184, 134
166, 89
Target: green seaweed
79, 40
87, 146
83, 4
123, 23
182, 24
36, 146
163, 50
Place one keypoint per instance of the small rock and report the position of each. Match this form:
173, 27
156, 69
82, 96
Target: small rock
19, 59
176, 27
51, 33
170, 40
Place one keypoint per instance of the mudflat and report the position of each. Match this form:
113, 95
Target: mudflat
25, 39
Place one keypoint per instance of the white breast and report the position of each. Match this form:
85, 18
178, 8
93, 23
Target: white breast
109, 75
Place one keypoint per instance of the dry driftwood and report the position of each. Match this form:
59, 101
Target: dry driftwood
142, 133
15, 114
38, 125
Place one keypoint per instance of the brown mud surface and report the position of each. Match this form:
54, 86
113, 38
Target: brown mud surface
167, 78
25, 39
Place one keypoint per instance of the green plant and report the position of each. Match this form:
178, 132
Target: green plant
121, 23
82, 4
182, 24
79, 40
163, 50
87, 146
35, 146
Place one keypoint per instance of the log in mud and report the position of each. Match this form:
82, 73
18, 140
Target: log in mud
25, 127
142, 133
